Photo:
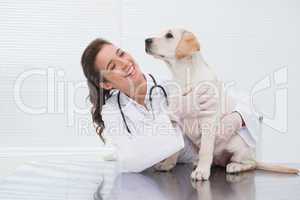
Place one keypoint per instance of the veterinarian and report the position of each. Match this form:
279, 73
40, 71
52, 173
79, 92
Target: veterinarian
130, 109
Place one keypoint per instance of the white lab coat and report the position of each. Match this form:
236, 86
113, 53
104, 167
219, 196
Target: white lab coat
250, 133
153, 137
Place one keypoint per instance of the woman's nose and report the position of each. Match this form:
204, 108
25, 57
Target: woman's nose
122, 63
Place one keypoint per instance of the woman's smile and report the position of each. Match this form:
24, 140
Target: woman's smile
131, 72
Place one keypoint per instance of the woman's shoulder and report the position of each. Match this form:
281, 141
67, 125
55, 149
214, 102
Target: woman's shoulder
110, 103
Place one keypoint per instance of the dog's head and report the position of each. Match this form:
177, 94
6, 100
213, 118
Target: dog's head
172, 44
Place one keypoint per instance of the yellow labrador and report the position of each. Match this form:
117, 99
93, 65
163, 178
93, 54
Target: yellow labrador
180, 50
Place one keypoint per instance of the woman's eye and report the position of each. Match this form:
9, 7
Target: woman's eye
113, 67
122, 53
169, 35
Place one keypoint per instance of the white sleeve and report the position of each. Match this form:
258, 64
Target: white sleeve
138, 151
116, 136
246, 109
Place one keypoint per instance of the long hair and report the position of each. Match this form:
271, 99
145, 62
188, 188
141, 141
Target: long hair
97, 94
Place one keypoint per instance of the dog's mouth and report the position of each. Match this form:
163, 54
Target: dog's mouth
147, 49
150, 52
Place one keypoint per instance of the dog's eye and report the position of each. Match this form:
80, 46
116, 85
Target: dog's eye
169, 35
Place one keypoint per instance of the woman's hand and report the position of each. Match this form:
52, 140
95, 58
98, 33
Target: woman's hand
230, 125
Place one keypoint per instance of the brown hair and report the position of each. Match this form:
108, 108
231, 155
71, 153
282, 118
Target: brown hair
97, 94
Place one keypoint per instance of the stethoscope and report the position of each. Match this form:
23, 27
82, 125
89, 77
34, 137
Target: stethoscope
150, 99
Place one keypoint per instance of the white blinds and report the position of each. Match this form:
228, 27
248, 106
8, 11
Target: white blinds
42, 86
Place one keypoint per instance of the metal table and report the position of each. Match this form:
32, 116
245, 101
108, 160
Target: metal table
59, 180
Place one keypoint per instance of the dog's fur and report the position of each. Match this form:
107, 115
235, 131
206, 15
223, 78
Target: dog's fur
180, 50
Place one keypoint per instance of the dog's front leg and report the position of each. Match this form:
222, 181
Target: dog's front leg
206, 151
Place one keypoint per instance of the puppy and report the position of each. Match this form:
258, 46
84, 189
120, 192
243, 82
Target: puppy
180, 50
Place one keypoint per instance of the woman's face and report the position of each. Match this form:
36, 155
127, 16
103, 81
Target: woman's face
118, 68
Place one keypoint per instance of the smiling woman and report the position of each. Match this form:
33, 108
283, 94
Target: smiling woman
107, 67
120, 71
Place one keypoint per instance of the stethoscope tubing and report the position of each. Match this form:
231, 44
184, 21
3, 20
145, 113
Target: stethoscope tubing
150, 99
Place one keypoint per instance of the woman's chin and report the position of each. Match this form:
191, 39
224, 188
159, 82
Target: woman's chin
136, 75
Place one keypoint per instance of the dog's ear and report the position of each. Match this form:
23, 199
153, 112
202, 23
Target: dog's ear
187, 45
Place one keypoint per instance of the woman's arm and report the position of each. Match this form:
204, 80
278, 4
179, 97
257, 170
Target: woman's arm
143, 147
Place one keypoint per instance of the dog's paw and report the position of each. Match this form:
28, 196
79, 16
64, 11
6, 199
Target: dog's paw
233, 168
164, 166
239, 167
201, 173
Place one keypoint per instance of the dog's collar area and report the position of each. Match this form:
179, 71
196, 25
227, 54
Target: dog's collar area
162, 56
158, 55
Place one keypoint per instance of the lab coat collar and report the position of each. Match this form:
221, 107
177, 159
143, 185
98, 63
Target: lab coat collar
126, 100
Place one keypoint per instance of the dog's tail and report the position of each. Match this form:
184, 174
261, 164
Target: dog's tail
277, 168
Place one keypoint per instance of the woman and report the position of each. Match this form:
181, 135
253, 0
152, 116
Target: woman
126, 115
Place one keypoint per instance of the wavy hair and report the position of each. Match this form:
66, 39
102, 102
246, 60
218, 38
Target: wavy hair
97, 94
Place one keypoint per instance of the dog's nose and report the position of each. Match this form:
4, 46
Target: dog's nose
148, 41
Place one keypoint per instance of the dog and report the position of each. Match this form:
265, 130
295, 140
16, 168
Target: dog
181, 52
